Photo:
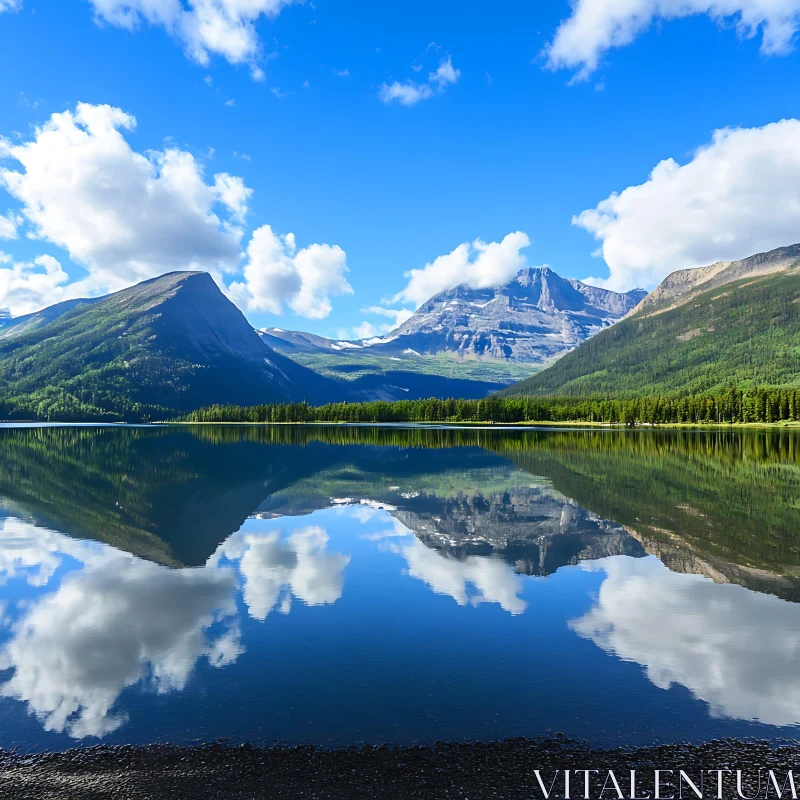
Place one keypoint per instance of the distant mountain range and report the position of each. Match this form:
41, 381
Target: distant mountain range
534, 318
731, 323
490, 337
177, 343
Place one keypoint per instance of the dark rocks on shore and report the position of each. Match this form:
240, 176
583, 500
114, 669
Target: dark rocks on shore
445, 770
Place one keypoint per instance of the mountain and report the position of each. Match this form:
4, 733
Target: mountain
11, 326
701, 330
485, 338
534, 318
299, 342
174, 342
679, 287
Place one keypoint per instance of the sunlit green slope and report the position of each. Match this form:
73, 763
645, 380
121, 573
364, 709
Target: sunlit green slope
745, 333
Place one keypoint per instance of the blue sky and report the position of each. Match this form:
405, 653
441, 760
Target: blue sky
509, 143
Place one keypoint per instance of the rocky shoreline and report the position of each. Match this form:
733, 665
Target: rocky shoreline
472, 771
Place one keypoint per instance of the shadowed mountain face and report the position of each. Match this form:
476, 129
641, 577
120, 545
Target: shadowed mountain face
535, 317
538, 501
175, 342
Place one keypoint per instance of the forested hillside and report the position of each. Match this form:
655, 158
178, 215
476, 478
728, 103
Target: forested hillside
745, 333
146, 352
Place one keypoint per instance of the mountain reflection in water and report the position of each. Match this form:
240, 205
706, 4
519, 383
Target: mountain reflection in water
183, 583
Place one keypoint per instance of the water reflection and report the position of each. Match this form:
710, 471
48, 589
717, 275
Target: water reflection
275, 570
116, 620
146, 564
734, 649
469, 581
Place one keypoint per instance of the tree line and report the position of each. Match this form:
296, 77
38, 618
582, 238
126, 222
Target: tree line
756, 405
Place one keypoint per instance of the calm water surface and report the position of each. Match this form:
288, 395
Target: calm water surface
340, 585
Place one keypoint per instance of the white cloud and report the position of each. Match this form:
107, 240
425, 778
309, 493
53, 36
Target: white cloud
364, 330
206, 28
122, 215
368, 330
10, 5
444, 74
409, 93
275, 570
478, 265
26, 287
232, 193
737, 650
492, 580
596, 26
397, 315
277, 274
737, 196
9, 224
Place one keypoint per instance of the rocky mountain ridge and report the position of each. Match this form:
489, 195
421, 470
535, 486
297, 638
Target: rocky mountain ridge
681, 286
532, 319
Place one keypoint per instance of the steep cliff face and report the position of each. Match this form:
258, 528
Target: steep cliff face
532, 319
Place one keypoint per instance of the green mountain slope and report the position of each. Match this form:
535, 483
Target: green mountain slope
410, 377
171, 343
745, 332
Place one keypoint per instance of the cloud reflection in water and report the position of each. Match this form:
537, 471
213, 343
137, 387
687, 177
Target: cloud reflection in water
118, 620
737, 650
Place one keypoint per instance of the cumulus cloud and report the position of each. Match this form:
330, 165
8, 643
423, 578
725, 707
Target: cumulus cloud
9, 224
478, 265
276, 570
206, 28
738, 195
232, 193
490, 579
27, 286
122, 215
737, 650
597, 26
409, 93
368, 330
276, 274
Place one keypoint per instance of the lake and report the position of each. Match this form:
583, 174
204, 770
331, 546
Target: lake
386, 584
